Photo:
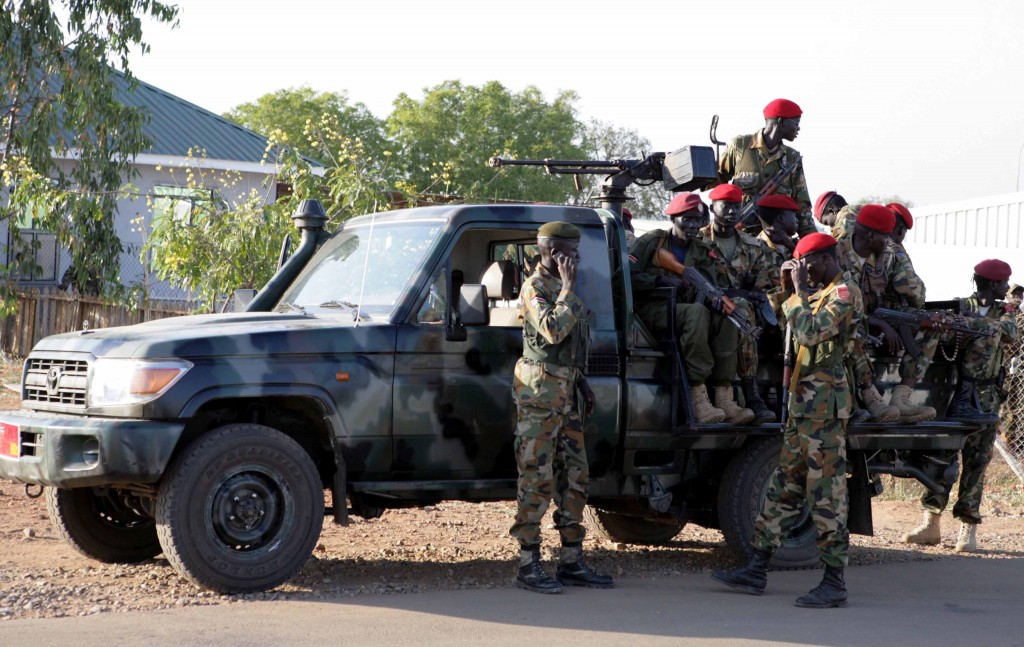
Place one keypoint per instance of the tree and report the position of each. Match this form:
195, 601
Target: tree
604, 141
880, 199
288, 111
446, 138
60, 101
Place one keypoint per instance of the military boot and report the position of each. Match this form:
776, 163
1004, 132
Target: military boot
967, 542
928, 533
752, 577
531, 576
703, 411
573, 572
734, 413
909, 413
830, 593
879, 410
962, 409
752, 398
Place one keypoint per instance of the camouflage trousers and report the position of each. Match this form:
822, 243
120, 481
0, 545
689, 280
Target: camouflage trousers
552, 461
707, 341
746, 365
811, 472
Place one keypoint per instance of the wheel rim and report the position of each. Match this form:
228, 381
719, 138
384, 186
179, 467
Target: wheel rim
247, 510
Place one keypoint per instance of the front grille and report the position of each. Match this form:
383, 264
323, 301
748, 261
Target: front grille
603, 365
56, 381
31, 444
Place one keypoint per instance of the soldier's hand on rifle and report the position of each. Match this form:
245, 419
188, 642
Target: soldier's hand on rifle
588, 397
669, 281
890, 337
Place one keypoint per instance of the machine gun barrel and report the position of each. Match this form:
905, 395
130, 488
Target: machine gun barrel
939, 319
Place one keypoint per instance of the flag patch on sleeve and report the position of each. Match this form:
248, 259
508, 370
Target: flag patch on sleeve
843, 292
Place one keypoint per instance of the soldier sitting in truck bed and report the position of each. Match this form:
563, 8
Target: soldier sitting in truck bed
707, 343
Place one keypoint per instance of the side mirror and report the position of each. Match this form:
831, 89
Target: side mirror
471, 311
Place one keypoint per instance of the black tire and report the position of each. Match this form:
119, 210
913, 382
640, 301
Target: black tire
741, 498
631, 529
98, 523
240, 509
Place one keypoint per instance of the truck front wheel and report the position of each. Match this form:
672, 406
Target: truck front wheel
240, 509
100, 524
631, 529
740, 499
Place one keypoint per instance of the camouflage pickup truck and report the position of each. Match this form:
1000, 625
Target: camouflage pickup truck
377, 364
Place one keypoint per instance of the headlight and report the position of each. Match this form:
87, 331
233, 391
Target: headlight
129, 381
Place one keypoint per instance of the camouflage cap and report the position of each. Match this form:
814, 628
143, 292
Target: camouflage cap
558, 230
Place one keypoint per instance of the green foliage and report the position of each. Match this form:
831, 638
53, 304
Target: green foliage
604, 141
59, 99
883, 199
445, 140
288, 111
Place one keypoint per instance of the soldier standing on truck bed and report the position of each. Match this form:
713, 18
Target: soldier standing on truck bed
751, 160
550, 389
812, 465
991, 279
707, 343
735, 260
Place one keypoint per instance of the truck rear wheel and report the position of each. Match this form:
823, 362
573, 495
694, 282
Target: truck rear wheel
98, 523
240, 509
741, 497
631, 529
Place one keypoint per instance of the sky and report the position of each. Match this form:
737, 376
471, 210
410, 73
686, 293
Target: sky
923, 100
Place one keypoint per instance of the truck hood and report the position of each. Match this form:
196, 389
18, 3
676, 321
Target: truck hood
255, 333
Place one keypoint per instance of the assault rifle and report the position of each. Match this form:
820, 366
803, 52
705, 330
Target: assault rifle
907, 323
687, 169
708, 291
748, 211
759, 300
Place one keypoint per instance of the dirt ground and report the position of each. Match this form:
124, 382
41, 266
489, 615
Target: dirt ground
452, 545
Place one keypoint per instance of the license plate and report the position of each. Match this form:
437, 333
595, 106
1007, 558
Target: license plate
10, 440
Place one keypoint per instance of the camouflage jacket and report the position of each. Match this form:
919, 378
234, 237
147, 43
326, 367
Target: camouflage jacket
776, 256
1006, 321
749, 267
906, 290
643, 273
882, 281
823, 327
748, 164
845, 220
555, 331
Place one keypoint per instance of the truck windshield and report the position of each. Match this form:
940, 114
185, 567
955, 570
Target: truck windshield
364, 270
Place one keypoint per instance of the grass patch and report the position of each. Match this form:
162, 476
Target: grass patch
10, 373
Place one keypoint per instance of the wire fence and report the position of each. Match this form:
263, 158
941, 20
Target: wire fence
1012, 442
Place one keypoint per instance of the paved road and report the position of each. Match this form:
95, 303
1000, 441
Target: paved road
951, 602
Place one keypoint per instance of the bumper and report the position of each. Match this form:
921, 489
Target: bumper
71, 451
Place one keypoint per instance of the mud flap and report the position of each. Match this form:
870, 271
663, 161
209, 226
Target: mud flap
338, 493
859, 487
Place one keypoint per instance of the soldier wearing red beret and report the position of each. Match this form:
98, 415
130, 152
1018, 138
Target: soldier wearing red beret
750, 160
983, 367
812, 465
778, 216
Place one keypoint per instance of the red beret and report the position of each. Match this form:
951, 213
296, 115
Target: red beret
627, 214
903, 213
726, 193
819, 204
782, 108
877, 217
682, 203
813, 243
774, 201
993, 269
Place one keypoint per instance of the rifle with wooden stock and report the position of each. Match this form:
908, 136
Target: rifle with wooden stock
707, 290
748, 211
906, 323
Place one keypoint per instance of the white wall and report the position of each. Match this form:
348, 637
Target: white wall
949, 239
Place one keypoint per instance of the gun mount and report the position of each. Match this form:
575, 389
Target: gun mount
687, 169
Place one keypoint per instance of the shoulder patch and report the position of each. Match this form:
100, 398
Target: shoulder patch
842, 291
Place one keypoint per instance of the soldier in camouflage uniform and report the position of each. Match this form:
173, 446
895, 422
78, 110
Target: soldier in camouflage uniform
707, 342
982, 364
735, 260
547, 388
812, 465
751, 160
777, 214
